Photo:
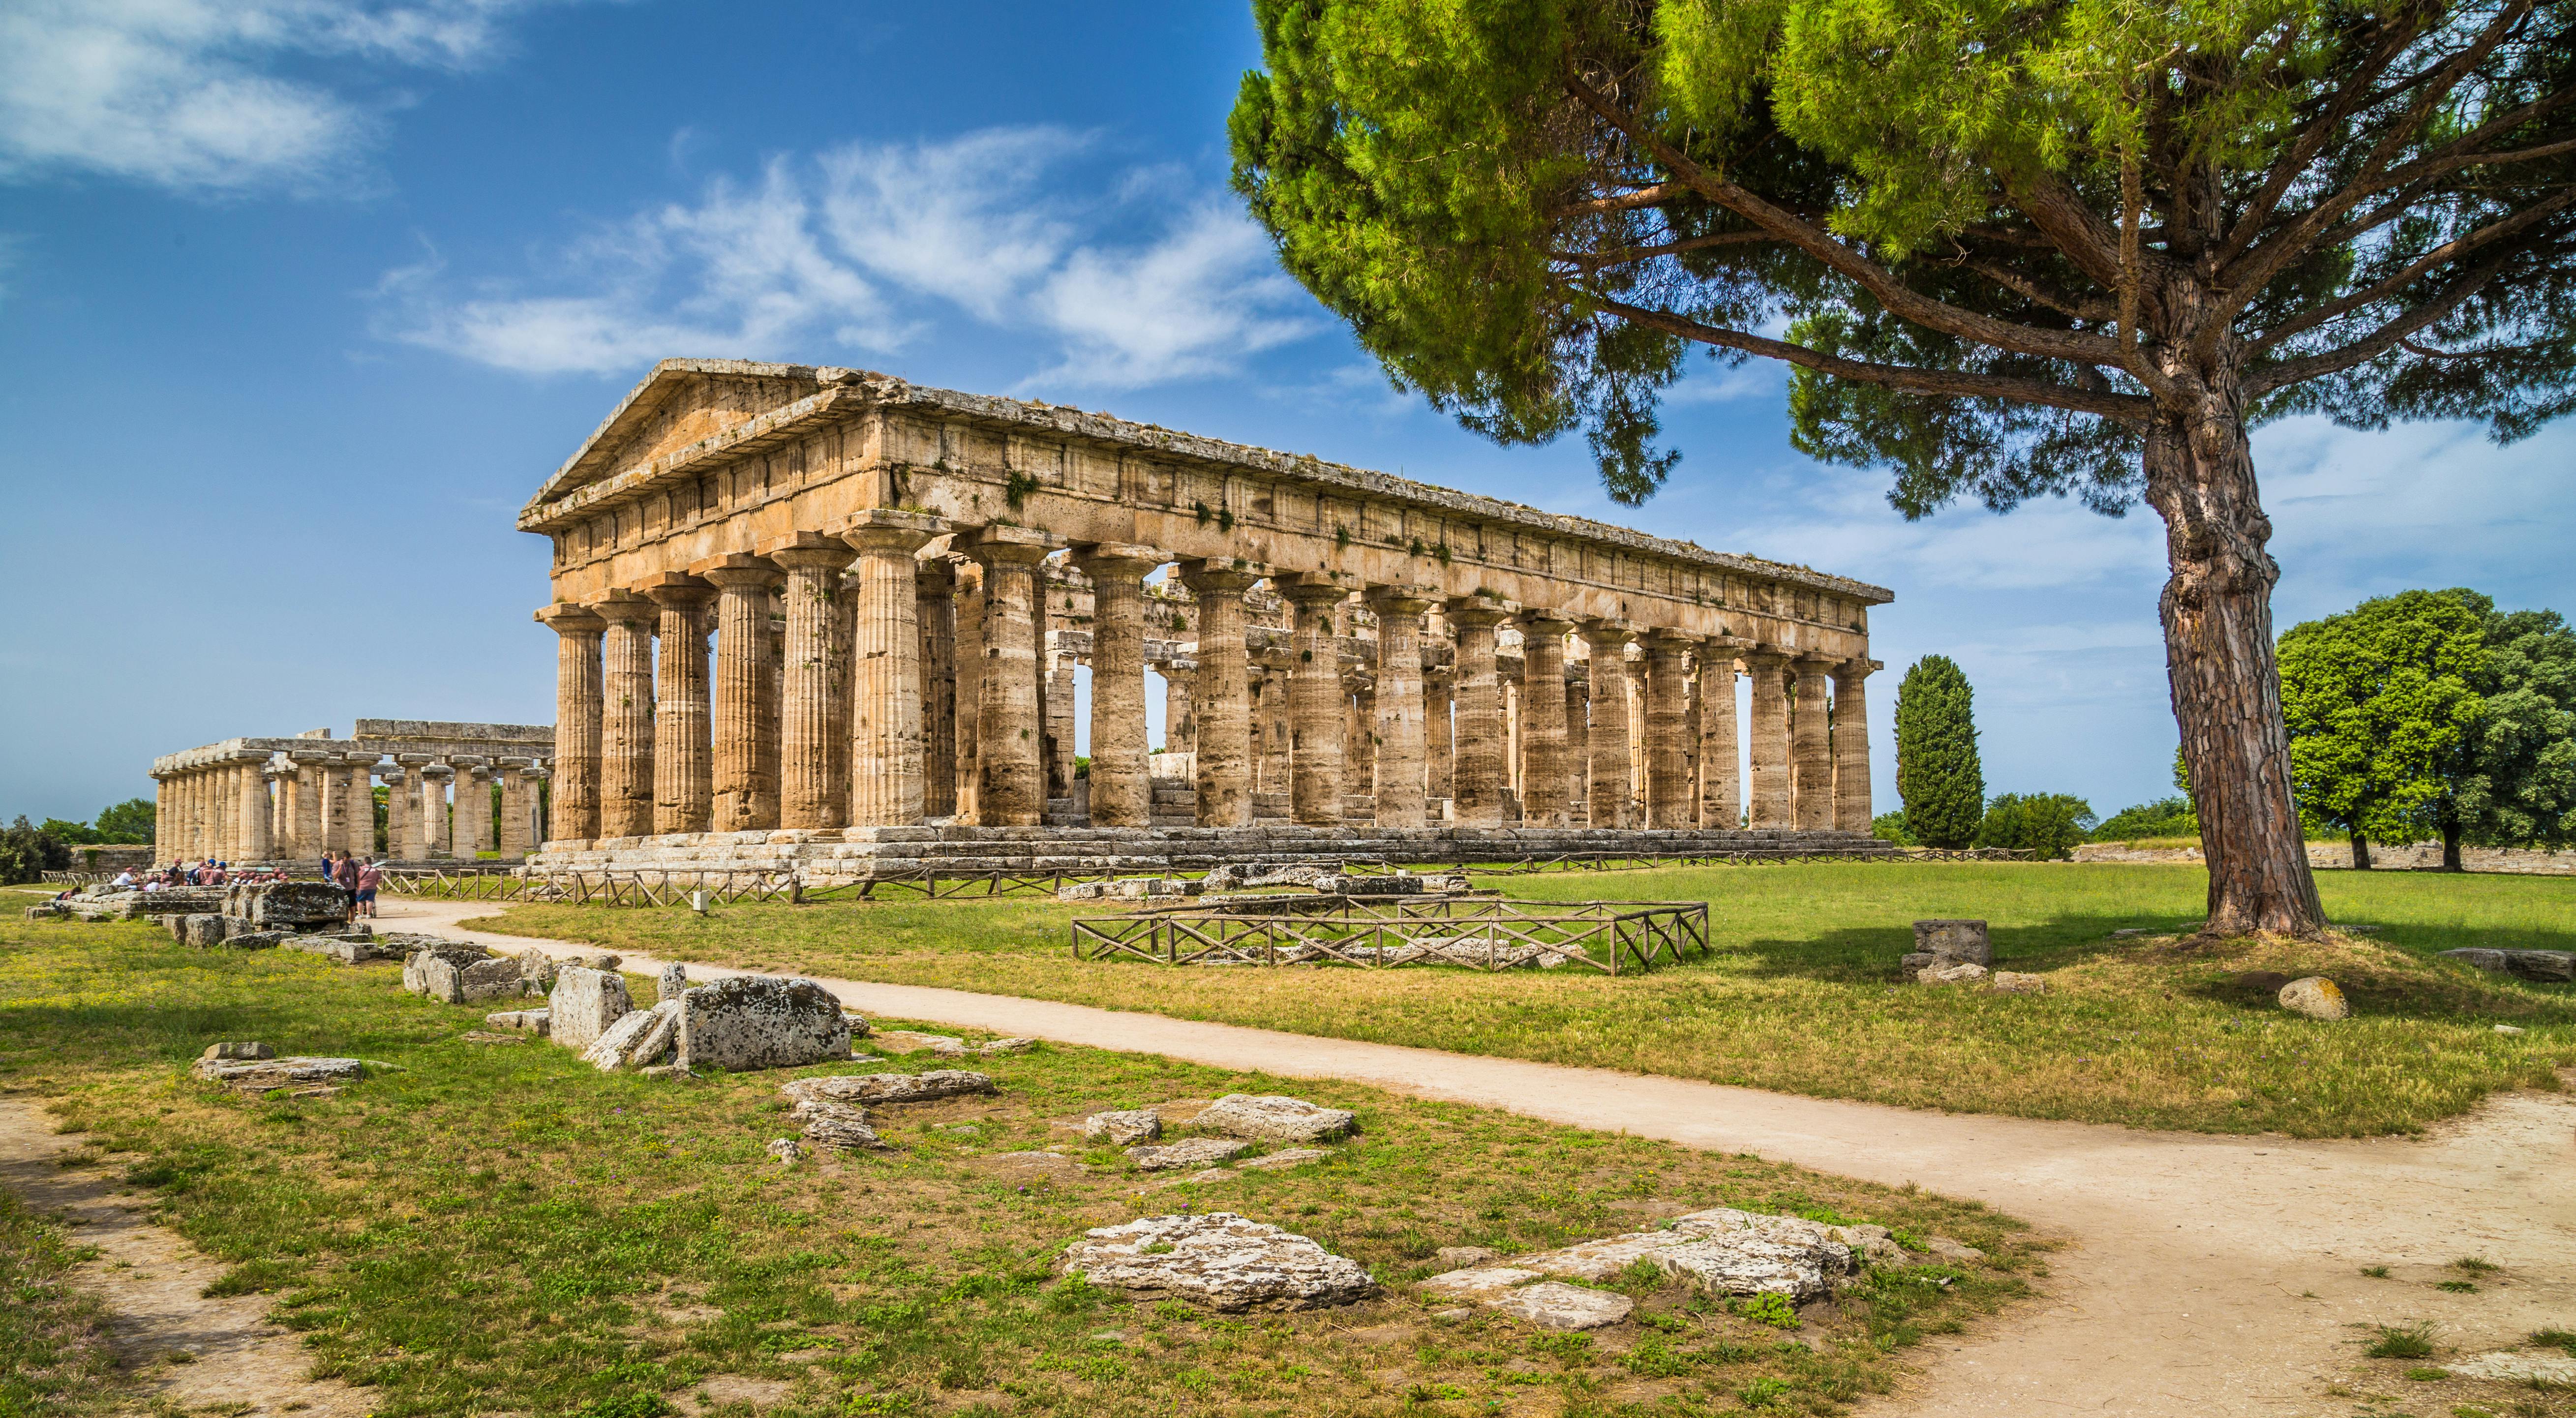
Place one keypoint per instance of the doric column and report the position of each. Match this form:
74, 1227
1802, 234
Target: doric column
1122, 795
1315, 703
811, 745
1360, 739
308, 801
889, 741
361, 788
1721, 790
1010, 789
626, 719
1439, 733
279, 782
1217, 708
436, 825
1851, 743
411, 791
1402, 724
743, 800
1672, 801
1607, 789
1056, 693
1477, 783
334, 784
970, 684
1811, 753
578, 692
512, 842
402, 807
1768, 735
1578, 745
533, 793
1546, 797
934, 606
220, 811
473, 806
1179, 717
683, 719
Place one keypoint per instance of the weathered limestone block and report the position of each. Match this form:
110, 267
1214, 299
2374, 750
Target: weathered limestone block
674, 981
492, 979
1955, 940
2316, 997
893, 1087
2017, 982
2543, 965
1124, 1128
1283, 1159
1219, 1260
583, 1004
1722, 1250
840, 1127
1274, 1117
759, 1021
203, 931
1951, 972
538, 969
453, 952
638, 1039
1553, 1304
237, 1052
521, 1021
288, 905
269, 1075
1188, 1152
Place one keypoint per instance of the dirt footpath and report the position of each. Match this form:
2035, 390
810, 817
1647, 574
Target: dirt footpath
154, 1282
2204, 1275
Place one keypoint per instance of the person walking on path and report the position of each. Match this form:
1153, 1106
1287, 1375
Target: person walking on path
370, 876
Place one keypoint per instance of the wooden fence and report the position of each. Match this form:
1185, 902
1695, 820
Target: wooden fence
1477, 933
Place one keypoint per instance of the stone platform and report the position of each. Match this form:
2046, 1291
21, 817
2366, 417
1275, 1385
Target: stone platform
882, 853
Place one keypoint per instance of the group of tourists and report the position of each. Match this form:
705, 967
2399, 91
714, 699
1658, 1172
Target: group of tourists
357, 876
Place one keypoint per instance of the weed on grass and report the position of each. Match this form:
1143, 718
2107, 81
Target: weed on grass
2402, 1341
1801, 992
509, 1229
54, 1351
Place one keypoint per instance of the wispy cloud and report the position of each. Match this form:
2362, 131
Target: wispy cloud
182, 93
863, 245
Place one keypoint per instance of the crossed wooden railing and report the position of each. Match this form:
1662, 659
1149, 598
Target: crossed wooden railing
1478, 933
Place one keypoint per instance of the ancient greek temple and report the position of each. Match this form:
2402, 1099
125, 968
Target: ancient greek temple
900, 584
247, 800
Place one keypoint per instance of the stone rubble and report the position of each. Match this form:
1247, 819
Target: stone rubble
521, 1021
2535, 1369
1188, 1152
583, 1003
1283, 1159
639, 1039
760, 1021
1126, 889
1274, 1118
1123, 1128
1955, 972
269, 1075
1722, 1250
2548, 966
2316, 997
1553, 1304
891, 1087
841, 1127
787, 1150
2015, 982
1220, 1260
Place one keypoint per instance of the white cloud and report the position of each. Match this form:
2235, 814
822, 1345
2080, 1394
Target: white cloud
175, 93
868, 243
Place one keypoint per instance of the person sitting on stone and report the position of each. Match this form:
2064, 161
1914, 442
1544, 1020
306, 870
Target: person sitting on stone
124, 879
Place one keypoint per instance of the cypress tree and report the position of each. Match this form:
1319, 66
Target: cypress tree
1937, 773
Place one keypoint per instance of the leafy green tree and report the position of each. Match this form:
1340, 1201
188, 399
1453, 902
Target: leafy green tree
1890, 826
66, 832
130, 822
1937, 773
2520, 790
2007, 250
27, 852
2048, 824
2381, 703
2165, 817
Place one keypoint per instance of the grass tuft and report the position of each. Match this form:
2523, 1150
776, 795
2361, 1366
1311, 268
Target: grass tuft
2403, 1341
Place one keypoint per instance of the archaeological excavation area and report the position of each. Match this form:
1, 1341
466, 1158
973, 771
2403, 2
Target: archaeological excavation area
827, 620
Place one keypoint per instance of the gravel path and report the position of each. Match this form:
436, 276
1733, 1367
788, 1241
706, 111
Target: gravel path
2203, 1275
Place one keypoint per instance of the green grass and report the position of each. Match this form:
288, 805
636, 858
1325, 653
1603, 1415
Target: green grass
500, 1228
54, 1354
1801, 993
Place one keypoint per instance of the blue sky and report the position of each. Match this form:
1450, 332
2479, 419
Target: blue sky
299, 299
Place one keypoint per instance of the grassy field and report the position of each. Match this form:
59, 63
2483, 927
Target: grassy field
498, 1228
53, 1338
1801, 991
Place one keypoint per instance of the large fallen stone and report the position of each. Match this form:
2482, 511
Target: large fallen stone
672, 983
454, 952
203, 930
520, 1021
639, 1039
269, 1075
2316, 997
2543, 965
583, 1003
761, 1021
1553, 1304
1124, 1127
1220, 1260
1950, 972
891, 1087
538, 969
1954, 940
1274, 1117
452, 978
238, 1051
299, 906
1188, 1152
1722, 1250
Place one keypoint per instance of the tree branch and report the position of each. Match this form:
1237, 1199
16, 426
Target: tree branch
2074, 307
1654, 196
2379, 342
2313, 136
2414, 270
2132, 409
1623, 254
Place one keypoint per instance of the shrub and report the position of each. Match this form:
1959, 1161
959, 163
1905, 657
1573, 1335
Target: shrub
1890, 827
27, 852
2165, 817
2048, 824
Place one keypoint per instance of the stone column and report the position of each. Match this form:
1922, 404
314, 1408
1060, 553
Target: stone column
1851, 743
773, 698
626, 720
1607, 788
1721, 789
536, 802
934, 606
516, 815
1439, 733
1011, 777
889, 739
1360, 742
281, 836
333, 780
811, 744
578, 692
1769, 737
1672, 800
413, 843
473, 806
1179, 735
1578, 745
683, 719
308, 801
1811, 752
1477, 782
970, 684
1056, 706
743, 801
1546, 800
362, 804
1402, 714
1265, 679
401, 807
1122, 795
1315, 703
1217, 709
436, 826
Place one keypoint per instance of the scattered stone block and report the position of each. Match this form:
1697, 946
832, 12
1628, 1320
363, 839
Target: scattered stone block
668, 1070
1012, 1045
1722, 1250
538, 969
1220, 1260
639, 1038
238, 1051
203, 931
2535, 1369
1480, 1281
2548, 966
1188, 1152
673, 982
2508, 1028
1918, 962
1461, 1257
1123, 1128
787, 1150
269, 1075
1955, 940
454, 952
451, 976
296, 906
583, 1004
1553, 1304
1284, 1159
909, 1041
519, 1021
2316, 997
1274, 1117
761, 1021
478, 1036
1943, 1248
1875, 1245
271, 940
1956, 972
45, 912
891, 1087
840, 1127
2015, 982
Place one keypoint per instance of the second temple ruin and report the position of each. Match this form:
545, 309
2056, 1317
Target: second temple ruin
899, 582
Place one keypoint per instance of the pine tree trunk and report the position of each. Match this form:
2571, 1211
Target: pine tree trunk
2217, 613
2451, 847
2360, 852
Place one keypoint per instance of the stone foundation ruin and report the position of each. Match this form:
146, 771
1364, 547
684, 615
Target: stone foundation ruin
287, 800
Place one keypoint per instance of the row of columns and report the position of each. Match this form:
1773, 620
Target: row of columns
907, 687
257, 806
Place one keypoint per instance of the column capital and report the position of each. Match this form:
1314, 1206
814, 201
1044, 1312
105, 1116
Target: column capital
437, 770
1484, 611
803, 551
934, 573
678, 590
1000, 541
1667, 640
1816, 661
1221, 575
891, 529
1724, 644
1540, 621
1858, 667
1764, 654
1602, 633
739, 569
627, 608
567, 618
415, 760
1401, 600
1307, 588
314, 756
1098, 559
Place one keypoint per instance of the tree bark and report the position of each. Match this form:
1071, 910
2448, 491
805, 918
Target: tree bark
2451, 847
2360, 852
2226, 682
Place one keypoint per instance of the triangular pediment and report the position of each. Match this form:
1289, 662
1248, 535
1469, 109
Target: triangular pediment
683, 401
